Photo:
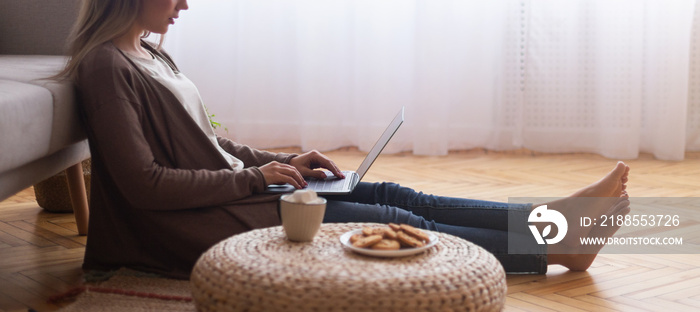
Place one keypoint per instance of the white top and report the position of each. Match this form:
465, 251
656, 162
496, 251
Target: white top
186, 92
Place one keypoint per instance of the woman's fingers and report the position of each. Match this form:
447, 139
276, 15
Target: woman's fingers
279, 173
307, 162
330, 165
298, 168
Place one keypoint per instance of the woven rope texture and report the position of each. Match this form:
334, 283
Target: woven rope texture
261, 271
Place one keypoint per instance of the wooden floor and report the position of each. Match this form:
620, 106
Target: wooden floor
40, 252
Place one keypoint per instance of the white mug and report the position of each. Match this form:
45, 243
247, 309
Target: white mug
301, 221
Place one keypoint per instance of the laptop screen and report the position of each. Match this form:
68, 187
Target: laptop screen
381, 143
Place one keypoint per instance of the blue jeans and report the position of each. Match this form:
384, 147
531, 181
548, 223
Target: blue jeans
481, 222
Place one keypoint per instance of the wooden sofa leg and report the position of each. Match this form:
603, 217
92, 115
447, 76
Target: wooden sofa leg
78, 197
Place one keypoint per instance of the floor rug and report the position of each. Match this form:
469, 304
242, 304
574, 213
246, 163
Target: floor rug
127, 290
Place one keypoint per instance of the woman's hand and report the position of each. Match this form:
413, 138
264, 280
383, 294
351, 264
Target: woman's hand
279, 173
299, 167
307, 162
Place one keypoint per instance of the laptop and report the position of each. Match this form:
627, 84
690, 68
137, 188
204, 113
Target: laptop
332, 185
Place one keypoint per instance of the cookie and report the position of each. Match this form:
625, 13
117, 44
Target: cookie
389, 233
386, 232
408, 240
395, 226
391, 237
355, 238
387, 244
417, 233
369, 231
367, 241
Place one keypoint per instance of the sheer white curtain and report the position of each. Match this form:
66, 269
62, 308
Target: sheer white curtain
611, 77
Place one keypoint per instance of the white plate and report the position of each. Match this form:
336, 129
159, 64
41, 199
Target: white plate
345, 240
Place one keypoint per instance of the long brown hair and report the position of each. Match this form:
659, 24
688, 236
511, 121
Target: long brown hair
99, 21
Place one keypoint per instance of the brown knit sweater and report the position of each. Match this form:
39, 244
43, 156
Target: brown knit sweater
161, 194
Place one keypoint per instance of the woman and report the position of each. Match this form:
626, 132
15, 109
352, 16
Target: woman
165, 188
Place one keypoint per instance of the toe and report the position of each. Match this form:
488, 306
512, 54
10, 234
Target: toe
620, 169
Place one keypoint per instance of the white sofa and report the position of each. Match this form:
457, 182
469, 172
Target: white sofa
40, 131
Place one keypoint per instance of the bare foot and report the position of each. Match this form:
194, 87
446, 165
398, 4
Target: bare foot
579, 257
608, 197
593, 201
614, 184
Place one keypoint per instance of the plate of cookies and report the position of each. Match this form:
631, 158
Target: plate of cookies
392, 240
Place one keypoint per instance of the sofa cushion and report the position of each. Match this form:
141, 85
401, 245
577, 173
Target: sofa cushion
33, 69
25, 123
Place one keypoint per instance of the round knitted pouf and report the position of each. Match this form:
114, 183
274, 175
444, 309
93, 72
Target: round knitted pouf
261, 270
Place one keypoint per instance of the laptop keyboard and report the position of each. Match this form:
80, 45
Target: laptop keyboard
329, 184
